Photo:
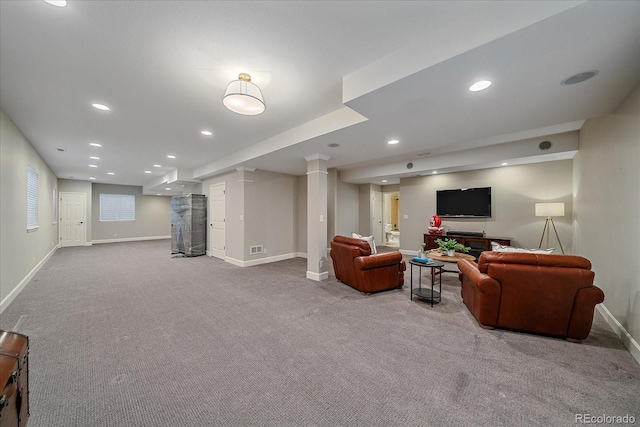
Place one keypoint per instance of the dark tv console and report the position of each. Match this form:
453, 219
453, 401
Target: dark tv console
466, 233
478, 244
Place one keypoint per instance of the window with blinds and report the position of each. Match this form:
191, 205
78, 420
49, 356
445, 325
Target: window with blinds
117, 207
32, 198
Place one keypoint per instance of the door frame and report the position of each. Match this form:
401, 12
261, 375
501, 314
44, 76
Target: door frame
59, 213
217, 253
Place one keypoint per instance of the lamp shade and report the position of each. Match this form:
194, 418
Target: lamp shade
549, 209
244, 97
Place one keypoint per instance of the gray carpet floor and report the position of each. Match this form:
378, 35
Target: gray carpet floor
126, 334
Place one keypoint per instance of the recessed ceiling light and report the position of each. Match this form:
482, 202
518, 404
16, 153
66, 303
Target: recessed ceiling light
147, 171
110, 173
93, 166
393, 142
206, 132
434, 172
579, 78
60, 150
481, 85
333, 145
95, 144
384, 180
504, 163
92, 178
158, 194
157, 166
59, 3
101, 107
94, 158
168, 188
170, 156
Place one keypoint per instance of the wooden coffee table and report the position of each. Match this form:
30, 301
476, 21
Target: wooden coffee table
457, 256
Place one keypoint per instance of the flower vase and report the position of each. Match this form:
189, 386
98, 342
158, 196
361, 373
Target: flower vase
451, 252
421, 254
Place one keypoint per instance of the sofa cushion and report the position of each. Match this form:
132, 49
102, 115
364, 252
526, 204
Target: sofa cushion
368, 239
363, 247
566, 261
497, 247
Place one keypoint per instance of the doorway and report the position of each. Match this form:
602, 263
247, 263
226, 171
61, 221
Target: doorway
73, 219
391, 218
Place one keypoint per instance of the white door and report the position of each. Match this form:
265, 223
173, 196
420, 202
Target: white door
217, 229
376, 209
73, 219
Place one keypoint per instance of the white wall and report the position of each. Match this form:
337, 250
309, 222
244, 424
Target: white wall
21, 252
514, 191
153, 216
342, 206
261, 209
607, 199
301, 215
270, 216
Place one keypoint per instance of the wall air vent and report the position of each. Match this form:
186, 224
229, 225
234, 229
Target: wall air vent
253, 250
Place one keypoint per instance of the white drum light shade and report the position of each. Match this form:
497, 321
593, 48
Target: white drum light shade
244, 97
549, 209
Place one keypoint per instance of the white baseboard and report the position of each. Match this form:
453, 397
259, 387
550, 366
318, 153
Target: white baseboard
301, 254
318, 277
14, 293
408, 252
259, 261
625, 336
129, 239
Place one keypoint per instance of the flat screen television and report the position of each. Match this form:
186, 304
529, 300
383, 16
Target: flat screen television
464, 203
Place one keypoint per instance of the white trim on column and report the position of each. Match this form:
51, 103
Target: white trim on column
318, 277
316, 156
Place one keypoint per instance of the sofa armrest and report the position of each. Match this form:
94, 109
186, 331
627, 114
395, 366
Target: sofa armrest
484, 283
378, 260
582, 314
480, 293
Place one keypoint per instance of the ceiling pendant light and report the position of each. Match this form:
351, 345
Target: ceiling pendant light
244, 97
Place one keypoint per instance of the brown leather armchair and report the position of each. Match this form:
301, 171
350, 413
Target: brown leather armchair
542, 294
355, 266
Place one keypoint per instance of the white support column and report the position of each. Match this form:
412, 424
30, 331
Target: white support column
317, 217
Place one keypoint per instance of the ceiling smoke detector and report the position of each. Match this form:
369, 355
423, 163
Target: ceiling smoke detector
409, 165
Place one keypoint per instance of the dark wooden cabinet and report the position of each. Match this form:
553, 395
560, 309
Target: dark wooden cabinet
477, 244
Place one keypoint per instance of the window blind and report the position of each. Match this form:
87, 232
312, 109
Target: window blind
32, 198
117, 207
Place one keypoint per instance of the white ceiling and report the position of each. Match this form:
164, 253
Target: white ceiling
355, 73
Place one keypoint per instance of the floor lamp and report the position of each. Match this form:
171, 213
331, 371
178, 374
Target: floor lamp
550, 210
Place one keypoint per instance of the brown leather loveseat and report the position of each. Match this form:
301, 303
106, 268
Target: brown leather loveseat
542, 294
354, 265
